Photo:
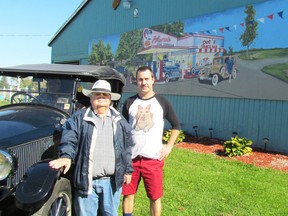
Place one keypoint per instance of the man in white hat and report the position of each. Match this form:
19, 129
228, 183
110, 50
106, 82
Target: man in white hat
97, 140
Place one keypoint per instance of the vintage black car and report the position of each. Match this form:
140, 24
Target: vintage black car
35, 100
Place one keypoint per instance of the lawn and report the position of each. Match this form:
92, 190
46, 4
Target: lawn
277, 70
203, 184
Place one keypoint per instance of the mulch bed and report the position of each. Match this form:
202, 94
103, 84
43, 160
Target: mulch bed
258, 157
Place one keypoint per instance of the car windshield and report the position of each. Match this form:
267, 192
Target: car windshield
45, 90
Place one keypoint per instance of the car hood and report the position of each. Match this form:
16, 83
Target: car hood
21, 123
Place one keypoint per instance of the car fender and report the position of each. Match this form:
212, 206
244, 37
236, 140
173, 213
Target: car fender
36, 186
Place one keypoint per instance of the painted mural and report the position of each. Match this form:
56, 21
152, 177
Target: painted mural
238, 53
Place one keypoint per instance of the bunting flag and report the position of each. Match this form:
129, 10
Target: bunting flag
228, 28
270, 16
281, 14
261, 20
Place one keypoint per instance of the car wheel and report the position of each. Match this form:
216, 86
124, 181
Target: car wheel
234, 74
167, 78
222, 71
60, 201
215, 79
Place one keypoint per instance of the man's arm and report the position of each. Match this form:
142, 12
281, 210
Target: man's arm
167, 148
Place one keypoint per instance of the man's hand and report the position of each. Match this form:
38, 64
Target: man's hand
167, 148
127, 178
61, 162
165, 151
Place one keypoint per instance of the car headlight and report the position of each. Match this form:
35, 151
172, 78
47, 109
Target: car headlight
6, 164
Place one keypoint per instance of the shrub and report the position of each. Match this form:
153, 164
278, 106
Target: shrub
179, 139
237, 146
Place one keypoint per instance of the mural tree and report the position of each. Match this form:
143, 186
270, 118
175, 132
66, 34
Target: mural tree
100, 54
176, 28
250, 32
129, 45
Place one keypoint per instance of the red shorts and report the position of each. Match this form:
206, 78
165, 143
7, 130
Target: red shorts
151, 171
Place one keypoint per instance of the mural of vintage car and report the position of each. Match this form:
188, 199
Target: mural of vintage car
193, 72
220, 69
30, 132
171, 71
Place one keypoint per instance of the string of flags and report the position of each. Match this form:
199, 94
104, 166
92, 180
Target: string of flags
234, 27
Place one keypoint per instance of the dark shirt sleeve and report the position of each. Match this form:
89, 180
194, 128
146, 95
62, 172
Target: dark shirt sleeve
126, 106
169, 112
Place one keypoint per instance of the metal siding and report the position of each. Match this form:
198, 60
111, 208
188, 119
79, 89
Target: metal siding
253, 119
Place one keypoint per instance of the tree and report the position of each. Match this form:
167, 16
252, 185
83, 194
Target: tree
175, 29
129, 45
250, 32
100, 54
4, 83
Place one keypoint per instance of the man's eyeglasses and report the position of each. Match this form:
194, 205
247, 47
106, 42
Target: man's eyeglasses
101, 93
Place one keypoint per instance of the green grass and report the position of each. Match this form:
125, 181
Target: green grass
257, 54
277, 70
204, 184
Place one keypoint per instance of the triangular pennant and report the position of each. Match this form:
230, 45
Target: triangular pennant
235, 27
215, 31
228, 29
280, 14
221, 29
242, 24
208, 32
261, 20
270, 16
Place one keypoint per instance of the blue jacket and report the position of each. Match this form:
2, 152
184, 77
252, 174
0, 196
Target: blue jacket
76, 145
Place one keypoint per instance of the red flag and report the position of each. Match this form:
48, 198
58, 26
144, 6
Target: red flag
270, 16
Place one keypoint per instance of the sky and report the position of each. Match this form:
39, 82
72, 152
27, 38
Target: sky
272, 32
26, 27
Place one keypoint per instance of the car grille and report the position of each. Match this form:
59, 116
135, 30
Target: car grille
30, 153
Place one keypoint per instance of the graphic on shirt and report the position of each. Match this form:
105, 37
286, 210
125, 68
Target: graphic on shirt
144, 119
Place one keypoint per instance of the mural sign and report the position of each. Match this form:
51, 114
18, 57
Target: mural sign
242, 54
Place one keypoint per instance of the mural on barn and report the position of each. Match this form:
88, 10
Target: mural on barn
238, 53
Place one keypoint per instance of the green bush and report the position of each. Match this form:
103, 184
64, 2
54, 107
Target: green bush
179, 139
237, 146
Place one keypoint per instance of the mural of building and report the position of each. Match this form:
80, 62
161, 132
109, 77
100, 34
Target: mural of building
203, 44
188, 53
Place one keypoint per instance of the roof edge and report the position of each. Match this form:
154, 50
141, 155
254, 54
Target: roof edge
80, 7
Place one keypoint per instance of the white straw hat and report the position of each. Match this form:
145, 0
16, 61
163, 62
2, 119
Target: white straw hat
102, 86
